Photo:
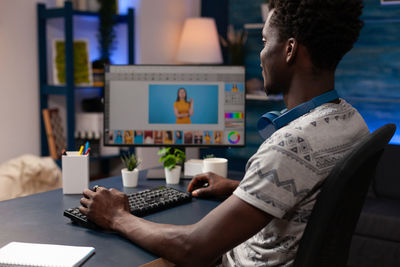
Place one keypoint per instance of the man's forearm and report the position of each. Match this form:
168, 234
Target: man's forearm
168, 241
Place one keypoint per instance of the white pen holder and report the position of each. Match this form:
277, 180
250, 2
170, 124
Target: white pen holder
75, 172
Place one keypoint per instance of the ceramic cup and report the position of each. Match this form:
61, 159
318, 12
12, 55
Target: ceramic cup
216, 165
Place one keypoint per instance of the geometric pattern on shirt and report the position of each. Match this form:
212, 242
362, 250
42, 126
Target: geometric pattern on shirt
301, 216
255, 257
301, 160
272, 176
269, 200
334, 115
287, 245
295, 144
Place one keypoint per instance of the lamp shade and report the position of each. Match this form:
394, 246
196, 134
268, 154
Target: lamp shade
199, 42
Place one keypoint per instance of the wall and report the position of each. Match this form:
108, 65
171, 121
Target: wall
368, 76
157, 30
159, 24
19, 99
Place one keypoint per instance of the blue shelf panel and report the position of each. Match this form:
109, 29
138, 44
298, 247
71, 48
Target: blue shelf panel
51, 13
54, 89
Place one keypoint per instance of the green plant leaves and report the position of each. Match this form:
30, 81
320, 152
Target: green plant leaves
130, 161
171, 157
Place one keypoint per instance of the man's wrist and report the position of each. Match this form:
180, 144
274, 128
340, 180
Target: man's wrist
119, 220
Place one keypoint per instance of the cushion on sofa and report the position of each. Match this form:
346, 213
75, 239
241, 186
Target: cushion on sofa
380, 218
387, 179
373, 252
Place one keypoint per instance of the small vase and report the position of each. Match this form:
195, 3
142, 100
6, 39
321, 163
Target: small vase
130, 178
173, 176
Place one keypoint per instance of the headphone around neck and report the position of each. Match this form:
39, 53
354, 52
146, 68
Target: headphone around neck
274, 120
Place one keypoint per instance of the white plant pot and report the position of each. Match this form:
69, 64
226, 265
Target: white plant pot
173, 176
130, 178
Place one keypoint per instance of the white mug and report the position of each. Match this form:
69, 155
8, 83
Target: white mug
216, 165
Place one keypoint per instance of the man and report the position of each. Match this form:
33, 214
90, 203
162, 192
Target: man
261, 223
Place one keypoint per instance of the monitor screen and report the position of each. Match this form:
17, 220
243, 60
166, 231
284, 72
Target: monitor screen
157, 105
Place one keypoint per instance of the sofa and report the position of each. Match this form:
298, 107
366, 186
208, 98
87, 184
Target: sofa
28, 174
376, 240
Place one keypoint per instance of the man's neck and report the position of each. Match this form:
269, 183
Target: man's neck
307, 87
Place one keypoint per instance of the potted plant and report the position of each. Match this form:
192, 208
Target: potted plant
106, 38
172, 159
235, 43
130, 173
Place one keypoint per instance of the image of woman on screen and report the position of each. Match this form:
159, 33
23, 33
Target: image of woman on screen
178, 137
183, 108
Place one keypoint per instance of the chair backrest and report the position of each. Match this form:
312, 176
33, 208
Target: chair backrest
327, 236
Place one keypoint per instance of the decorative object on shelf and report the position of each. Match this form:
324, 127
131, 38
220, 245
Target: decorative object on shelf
82, 67
98, 76
93, 5
172, 159
106, 32
54, 131
235, 43
130, 173
390, 2
264, 10
255, 86
199, 42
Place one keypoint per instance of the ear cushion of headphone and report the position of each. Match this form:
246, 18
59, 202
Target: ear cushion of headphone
267, 118
265, 124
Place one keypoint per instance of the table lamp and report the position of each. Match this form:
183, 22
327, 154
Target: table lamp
199, 43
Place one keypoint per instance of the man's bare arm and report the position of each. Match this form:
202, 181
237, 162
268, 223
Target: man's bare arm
200, 244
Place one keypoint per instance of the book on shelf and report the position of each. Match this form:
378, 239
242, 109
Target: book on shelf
54, 131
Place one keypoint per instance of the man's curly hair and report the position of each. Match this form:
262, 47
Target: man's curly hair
327, 28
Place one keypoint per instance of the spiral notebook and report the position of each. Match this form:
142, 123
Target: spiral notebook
32, 254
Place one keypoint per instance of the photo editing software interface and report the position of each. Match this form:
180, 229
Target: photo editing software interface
152, 105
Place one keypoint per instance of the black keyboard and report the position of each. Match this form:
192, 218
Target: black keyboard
141, 203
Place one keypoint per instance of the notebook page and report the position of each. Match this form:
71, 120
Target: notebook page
32, 254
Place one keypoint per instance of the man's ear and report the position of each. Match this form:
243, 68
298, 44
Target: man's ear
291, 50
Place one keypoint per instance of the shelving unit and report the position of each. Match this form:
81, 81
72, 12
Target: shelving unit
253, 26
68, 90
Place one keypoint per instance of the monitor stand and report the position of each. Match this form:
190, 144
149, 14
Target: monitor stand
149, 160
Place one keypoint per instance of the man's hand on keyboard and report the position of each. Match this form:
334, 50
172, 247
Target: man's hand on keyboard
104, 206
211, 185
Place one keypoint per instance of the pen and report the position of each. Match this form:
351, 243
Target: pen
86, 147
81, 150
87, 152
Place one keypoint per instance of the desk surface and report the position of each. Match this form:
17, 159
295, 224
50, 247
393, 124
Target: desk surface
39, 219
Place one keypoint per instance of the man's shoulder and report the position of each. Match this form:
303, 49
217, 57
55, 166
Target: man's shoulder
329, 125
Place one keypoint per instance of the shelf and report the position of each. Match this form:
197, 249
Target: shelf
264, 97
52, 13
54, 89
69, 88
253, 26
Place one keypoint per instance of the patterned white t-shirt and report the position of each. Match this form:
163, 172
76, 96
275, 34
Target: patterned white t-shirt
287, 166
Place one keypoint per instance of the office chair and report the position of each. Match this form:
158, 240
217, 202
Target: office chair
327, 237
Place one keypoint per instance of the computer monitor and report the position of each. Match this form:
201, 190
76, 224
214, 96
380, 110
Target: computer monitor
174, 105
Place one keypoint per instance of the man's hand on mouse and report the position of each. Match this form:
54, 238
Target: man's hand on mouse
218, 186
